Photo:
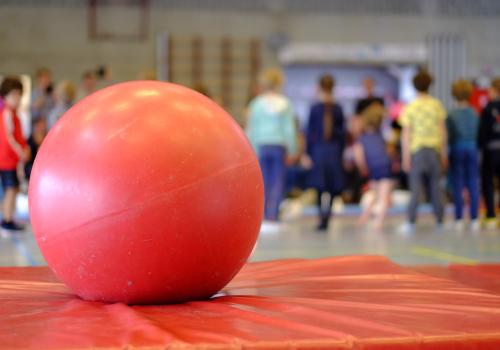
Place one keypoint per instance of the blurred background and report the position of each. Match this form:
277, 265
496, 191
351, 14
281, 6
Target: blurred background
224, 44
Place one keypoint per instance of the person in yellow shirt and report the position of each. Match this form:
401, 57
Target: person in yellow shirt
424, 148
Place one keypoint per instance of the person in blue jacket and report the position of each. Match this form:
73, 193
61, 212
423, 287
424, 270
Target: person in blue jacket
272, 133
462, 124
326, 136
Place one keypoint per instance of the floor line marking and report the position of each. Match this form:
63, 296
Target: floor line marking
442, 255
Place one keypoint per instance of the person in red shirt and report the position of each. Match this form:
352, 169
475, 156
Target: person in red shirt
13, 148
479, 98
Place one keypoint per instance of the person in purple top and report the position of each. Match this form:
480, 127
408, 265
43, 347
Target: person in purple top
373, 160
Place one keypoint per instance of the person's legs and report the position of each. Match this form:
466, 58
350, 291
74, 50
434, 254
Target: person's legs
323, 212
323, 187
434, 177
328, 207
325, 199
496, 162
319, 202
487, 173
367, 211
326, 210
265, 166
472, 181
10, 184
316, 179
457, 166
384, 191
416, 175
278, 176
331, 185
9, 204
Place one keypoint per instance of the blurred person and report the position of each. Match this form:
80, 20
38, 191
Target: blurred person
13, 148
103, 77
42, 98
365, 102
373, 159
39, 131
65, 97
489, 144
424, 148
395, 143
271, 131
394, 111
88, 85
354, 180
480, 94
326, 138
462, 125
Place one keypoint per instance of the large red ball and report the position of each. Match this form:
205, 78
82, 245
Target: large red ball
146, 192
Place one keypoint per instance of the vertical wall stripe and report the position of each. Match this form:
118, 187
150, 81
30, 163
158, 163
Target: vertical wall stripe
447, 62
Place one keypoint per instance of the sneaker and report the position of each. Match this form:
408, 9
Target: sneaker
323, 225
11, 226
475, 225
270, 227
322, 228
407, 228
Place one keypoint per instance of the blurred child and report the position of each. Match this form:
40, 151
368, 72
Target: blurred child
34, 142
13, 148
88, 85
424, 149
103, 76
271, 130
42, 96
65, 97
462, 125
489, 143
373, 160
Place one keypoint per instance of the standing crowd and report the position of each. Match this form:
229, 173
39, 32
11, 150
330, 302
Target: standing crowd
48, 102
434, 142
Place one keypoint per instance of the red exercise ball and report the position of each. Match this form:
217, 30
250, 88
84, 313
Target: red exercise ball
146, 192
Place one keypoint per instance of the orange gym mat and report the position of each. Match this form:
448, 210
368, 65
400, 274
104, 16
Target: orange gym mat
360, 302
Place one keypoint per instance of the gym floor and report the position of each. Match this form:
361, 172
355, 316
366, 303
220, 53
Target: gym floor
297, 238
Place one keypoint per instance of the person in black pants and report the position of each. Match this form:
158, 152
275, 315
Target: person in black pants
489, 144
34, 141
